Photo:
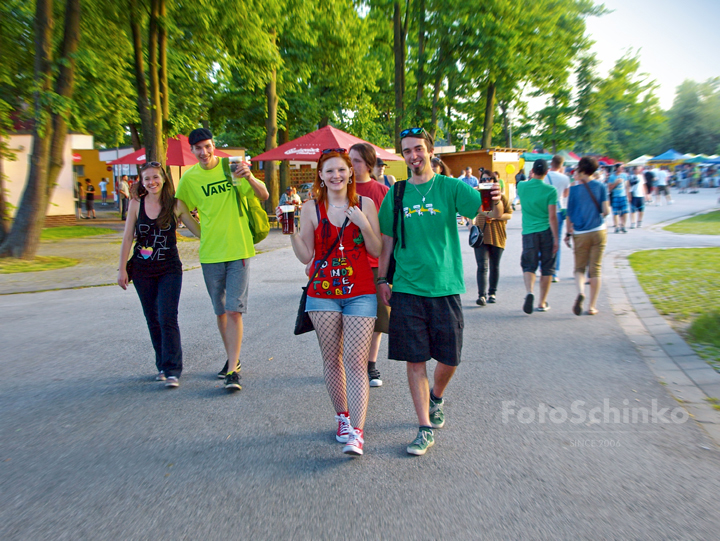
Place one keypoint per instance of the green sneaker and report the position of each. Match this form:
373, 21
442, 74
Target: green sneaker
422, 443
437, 417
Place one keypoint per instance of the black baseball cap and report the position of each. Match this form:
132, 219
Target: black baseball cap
200, 134
379, 162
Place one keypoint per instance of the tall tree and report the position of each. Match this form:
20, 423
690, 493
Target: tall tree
54, 89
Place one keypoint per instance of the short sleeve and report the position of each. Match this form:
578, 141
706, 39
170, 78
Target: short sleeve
385, 215
184, 194
246, 190
467, 200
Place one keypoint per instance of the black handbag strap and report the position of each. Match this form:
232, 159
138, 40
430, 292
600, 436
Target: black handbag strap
592, 195
324, 259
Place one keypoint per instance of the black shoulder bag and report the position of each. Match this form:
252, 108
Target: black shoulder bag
303, 323
398, 192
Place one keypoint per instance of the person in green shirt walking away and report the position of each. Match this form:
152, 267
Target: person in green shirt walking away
539, 234
426, 319
226, 245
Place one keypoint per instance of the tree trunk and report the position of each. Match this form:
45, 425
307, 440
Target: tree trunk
489, 115
142, 92
64, 88
421, 63
507, 130
436, 92
4, 213
285, 164
24, 237
271, 172
400, 32
154, 147
135, 137
162, 43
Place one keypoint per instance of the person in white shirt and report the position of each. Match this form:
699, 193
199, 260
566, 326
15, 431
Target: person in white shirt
662, 188
561, 183
636, 196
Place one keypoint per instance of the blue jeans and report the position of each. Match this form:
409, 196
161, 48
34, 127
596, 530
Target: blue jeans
160, 296
562, 214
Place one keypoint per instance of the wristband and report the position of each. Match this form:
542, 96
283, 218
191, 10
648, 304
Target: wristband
381, 281
568, 235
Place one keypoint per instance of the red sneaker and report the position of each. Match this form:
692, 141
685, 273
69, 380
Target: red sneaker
344, 427
355, 443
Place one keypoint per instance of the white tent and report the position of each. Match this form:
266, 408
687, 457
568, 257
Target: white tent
642, 160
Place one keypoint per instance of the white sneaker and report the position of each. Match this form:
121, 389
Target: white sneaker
172, 381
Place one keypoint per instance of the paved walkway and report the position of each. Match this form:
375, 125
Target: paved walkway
536, 445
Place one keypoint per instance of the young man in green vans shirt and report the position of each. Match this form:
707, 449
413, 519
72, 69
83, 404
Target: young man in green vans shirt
226, 245
426, 319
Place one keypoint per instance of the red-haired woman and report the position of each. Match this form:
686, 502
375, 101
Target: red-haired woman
157, 270
341, 300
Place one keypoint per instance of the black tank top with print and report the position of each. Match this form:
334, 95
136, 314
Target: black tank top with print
155, 251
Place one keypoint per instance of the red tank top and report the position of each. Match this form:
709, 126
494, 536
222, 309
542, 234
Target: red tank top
346, 273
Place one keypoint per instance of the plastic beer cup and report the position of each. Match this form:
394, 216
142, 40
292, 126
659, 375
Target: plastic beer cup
288, 219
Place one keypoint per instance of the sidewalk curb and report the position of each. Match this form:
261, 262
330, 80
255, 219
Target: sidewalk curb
688, 378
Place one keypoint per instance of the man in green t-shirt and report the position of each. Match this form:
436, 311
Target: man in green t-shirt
539, 234
226, 244
426, 320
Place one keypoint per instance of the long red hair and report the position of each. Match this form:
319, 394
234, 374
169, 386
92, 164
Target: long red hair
321, 191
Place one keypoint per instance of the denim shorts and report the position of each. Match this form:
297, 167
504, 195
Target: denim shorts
360, 306
227, 284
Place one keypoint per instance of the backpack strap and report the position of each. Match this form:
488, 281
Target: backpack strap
398, 192
228, 175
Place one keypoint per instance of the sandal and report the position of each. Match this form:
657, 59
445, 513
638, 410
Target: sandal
577, 308
592, 311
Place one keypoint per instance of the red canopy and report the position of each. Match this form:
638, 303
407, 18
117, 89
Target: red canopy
309, 147
604, 160
178, 153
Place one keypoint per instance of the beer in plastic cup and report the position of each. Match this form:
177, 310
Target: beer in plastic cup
288, 219
235, 161
485, 191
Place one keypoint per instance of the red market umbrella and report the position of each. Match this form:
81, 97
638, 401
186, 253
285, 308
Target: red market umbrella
178, 154
309, 147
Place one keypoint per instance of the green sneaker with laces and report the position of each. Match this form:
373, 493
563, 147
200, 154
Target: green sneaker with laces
422, 442
437, 417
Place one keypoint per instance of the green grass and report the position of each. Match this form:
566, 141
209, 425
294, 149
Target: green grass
73, 232
703, 224
684, 284
11, 265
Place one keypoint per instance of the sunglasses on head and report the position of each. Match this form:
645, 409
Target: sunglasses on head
147, 165
409, 132
340, 150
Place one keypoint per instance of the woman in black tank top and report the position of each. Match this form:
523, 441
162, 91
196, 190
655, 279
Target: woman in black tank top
155, 265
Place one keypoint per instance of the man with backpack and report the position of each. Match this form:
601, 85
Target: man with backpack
417, 221
226, 243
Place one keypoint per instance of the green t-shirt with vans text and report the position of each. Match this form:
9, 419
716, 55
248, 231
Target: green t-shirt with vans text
225, 234
431, 264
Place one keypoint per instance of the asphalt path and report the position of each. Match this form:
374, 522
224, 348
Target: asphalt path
92, 448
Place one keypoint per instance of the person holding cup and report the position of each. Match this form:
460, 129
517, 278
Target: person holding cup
341, 299
489, 253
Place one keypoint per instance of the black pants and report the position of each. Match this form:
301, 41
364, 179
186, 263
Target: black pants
160, 296
486, 256
123, 207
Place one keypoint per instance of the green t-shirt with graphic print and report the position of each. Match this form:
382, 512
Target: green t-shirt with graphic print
225, 234
431, 264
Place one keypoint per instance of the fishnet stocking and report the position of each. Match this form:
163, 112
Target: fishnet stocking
345, 361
